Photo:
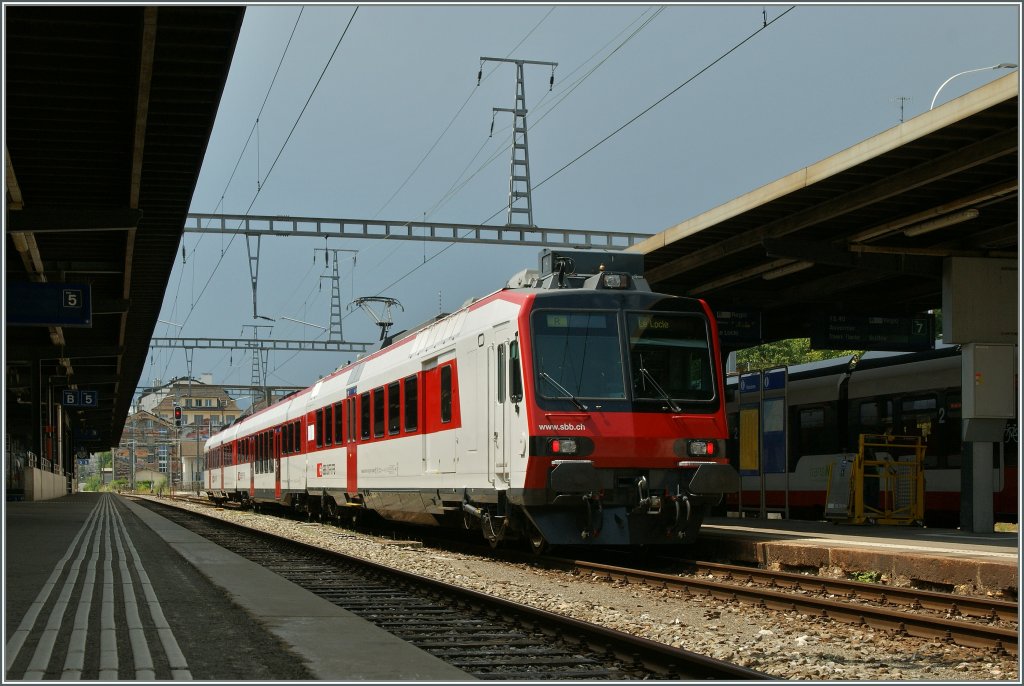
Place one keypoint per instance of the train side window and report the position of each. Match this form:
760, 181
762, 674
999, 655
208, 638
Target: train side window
515, 377
411, 404
446, 394
286, 439
378, 412
394, 407
297, 436
812, 433
328, 424
501, 373
319, 428
364, 415
339, 422
875, 415
919, 416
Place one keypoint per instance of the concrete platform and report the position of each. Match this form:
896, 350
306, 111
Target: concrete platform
97, 587
982, 563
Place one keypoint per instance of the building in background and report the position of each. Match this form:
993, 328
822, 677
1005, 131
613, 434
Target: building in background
162, 446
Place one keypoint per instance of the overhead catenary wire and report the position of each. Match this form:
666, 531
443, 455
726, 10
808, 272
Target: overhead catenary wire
455, 116
591, 148
502, 148
227, 185
663, 98
270, 170
606, 138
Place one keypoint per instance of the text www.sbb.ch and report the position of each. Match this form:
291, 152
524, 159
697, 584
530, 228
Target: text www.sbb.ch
561, 427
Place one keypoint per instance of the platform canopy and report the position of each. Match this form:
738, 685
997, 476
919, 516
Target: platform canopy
109, 110
863, 232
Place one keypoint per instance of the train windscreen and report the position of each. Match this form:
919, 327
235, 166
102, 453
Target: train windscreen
578, 354
670, 356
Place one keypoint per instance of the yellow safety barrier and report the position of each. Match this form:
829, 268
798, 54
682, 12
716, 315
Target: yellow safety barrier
886, 482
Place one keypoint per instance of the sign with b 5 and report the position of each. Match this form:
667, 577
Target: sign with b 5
72, 398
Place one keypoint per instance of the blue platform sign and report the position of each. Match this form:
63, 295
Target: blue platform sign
86, 434
750, 382
69, 397
774, 379
49, 304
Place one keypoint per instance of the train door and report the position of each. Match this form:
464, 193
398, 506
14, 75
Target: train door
275, 452
224, 465
440, 380
250, 464
499, 419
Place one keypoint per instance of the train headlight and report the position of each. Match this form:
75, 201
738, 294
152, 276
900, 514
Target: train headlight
615, 281
702, 448
562, 446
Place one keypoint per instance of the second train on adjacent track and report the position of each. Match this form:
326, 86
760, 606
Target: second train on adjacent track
574, 406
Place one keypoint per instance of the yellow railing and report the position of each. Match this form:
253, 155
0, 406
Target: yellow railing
886, 481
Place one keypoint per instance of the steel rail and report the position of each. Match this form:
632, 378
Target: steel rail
963, 633
985, 608
652, 655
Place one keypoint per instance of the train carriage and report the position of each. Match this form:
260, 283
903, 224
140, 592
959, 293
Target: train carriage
574, 406
830, 403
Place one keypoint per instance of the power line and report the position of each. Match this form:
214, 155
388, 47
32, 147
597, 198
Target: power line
213, 272
664, 97
502, 148
454, 117
566, 166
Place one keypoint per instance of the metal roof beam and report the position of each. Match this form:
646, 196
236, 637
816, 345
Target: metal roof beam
263, 344
60, 220
321, 227
828, 254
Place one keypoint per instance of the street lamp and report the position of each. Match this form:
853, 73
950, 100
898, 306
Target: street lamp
1003, 65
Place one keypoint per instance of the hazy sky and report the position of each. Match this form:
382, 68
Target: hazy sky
815, 81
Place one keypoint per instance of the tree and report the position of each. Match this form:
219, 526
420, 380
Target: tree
788, 352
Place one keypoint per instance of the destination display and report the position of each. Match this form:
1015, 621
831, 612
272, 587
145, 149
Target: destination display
899, 334
739, 329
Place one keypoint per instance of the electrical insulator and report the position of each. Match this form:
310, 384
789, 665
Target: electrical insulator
479, 75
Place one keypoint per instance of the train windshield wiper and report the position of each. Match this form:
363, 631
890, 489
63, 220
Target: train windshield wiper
550, 379
650, 377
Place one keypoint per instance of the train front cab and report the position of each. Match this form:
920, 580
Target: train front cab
626, 420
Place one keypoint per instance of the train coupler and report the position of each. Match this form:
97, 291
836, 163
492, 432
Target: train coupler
682, 511
594, 516
648, 503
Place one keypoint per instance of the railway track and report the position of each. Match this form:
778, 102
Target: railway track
848, 601
488, 637
965, 620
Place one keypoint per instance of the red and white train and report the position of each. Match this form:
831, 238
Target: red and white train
830, 403
574, 406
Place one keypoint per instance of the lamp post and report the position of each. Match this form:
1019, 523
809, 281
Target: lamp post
1002, 65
